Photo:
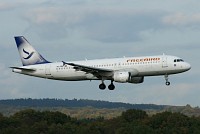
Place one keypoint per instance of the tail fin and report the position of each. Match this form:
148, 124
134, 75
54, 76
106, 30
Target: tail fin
28, 55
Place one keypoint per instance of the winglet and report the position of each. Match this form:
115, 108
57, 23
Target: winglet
64, 63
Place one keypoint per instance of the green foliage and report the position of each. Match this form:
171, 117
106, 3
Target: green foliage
84, 108
130, 122
168, 119
131, 115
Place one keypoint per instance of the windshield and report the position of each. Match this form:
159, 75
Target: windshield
178, 60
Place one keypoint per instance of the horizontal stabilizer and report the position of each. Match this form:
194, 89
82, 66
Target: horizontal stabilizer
24, 69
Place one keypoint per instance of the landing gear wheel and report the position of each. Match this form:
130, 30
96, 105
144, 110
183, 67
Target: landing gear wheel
167, 83
102, 86
111, 86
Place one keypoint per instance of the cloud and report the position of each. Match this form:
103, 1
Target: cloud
11, 83
182, 19
118, 27
47, 15
96, 23
173, 95
6, 6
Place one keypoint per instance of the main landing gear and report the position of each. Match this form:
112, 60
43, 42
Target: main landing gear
102, 86
167, 80
111, 86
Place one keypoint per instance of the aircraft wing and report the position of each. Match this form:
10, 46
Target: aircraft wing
98, 72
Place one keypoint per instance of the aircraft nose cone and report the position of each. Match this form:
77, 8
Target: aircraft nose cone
187, 66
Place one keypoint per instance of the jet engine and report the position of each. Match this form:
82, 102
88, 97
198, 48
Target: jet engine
126, 76
121, 77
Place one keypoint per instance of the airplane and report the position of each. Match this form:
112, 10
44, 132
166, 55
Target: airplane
121, 70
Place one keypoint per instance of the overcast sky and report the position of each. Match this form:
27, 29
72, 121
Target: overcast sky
78, 29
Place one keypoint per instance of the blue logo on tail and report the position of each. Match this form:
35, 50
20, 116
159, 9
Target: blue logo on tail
29, 55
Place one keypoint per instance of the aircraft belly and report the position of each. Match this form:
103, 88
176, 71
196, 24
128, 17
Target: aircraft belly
72, 76
161, 72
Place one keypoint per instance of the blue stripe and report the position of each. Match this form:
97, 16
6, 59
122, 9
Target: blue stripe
25, 52
29, 56
19, 40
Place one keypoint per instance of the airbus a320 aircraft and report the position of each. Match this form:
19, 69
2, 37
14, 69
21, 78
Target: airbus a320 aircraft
122, 70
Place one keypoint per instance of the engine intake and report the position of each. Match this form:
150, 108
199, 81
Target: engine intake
121, 77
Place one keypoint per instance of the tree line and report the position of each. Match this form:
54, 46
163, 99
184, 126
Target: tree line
77, 103
130, 122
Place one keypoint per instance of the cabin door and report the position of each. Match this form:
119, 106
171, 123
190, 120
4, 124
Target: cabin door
47, 69
164, 61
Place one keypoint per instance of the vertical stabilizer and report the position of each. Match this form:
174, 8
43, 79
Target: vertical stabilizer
28, 55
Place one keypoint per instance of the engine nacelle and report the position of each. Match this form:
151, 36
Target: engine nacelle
121, 77
136, 80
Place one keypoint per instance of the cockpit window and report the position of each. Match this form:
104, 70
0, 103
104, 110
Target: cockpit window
178, 60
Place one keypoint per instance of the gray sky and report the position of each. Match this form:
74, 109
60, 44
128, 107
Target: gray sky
79, 29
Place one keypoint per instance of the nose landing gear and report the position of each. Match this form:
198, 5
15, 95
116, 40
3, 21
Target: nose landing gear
167, 80
167, 83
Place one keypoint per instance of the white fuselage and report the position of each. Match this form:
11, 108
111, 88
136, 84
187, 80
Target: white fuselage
122, 70
141, 66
